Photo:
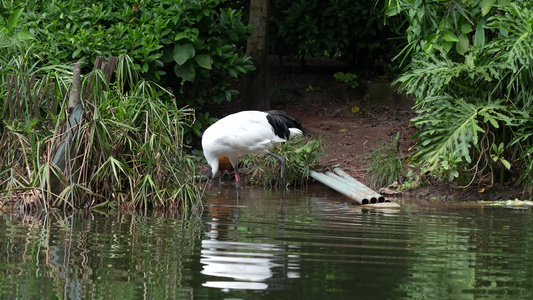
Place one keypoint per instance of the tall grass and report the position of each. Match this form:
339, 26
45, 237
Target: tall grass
26, 127
128, 150
386, 163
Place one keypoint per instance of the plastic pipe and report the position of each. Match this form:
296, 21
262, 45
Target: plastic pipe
371, 192
362, 190
341, 187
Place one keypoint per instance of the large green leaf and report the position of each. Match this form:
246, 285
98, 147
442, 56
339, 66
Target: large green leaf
452, 126
462, 44
466, 28
479, 37
13, 18
450, 37
204, 61
185, 71
183, 52
486, 5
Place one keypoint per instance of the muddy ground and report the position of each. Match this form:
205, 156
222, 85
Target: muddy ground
353, 121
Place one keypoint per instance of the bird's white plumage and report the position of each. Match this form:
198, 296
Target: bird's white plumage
239, 134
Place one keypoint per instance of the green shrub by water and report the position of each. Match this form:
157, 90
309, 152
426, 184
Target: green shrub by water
302, 154
129, 148
470, 71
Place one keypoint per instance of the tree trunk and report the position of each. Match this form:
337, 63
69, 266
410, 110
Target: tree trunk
74, 96
255, 92
63, 155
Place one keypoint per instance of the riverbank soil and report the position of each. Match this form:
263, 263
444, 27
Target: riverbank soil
353, 121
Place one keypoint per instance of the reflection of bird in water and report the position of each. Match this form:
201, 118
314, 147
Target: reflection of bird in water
245, 132
248, 264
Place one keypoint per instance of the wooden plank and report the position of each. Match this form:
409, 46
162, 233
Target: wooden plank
31, 102
110, 68
9, 99
7, 111
40, 96
55, 103
16, 108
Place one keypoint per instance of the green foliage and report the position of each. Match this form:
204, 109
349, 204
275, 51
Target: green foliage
13, 19
128, 151
524, 138
193, 48
301, 156
386, 164
512, 52
12, 42
453, 126
348, 29
440, 26
498, 155
348, 78
470, 71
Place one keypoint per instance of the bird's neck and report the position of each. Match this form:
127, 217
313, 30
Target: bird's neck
213, 166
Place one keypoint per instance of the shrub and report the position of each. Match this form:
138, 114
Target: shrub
470, 71
191, 47
301, 156
128, 151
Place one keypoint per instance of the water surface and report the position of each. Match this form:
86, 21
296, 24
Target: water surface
314, 245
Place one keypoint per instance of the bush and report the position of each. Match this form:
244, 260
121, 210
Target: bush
470, 74
128, 151
191, 47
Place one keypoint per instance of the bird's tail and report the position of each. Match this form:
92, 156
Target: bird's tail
284, 125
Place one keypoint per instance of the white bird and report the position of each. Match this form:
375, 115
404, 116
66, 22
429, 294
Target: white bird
245, 132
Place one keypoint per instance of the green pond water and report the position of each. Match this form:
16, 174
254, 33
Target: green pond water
313, 246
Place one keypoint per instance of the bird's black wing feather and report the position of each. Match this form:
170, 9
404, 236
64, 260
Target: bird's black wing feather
281, 122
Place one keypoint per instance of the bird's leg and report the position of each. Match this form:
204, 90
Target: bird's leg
222, 173
282, 163
238, 183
